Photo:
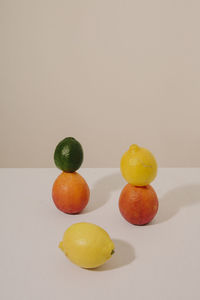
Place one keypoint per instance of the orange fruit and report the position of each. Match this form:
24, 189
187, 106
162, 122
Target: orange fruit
138, 204
70, 192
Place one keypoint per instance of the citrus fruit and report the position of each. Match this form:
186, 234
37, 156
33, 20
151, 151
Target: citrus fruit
87, 245
68, 155
138, 204
138, 166
70, 192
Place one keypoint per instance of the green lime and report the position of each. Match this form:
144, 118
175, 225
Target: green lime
68, 155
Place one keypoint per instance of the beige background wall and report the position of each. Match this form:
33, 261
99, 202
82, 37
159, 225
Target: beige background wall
108, 72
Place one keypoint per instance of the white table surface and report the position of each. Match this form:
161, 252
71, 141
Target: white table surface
158, 261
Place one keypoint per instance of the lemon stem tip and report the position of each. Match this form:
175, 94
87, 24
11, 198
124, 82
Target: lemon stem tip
61, 245
134, 148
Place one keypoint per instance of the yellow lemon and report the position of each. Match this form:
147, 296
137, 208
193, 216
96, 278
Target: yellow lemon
138, 166
87, 245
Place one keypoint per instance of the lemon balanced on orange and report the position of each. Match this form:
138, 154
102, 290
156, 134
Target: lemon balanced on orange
138, 202
138, 166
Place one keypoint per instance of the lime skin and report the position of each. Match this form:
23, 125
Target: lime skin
68, 155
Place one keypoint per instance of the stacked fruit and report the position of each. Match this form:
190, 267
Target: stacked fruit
70, 191
138, 202
86, 244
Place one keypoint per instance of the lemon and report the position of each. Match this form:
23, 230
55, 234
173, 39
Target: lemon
138, 166
87, 245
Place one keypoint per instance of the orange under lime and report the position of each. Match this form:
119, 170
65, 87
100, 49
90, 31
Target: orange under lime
70, 191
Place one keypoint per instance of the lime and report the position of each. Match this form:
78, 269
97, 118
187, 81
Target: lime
87, 245
68, 155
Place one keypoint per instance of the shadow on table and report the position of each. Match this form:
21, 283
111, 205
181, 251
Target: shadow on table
174, 200
102, 189
124, 255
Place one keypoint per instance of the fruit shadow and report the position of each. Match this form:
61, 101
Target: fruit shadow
101, 190
124, 255
174, 200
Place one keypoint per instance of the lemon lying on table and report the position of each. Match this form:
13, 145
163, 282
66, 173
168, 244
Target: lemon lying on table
87, 245
138, 166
